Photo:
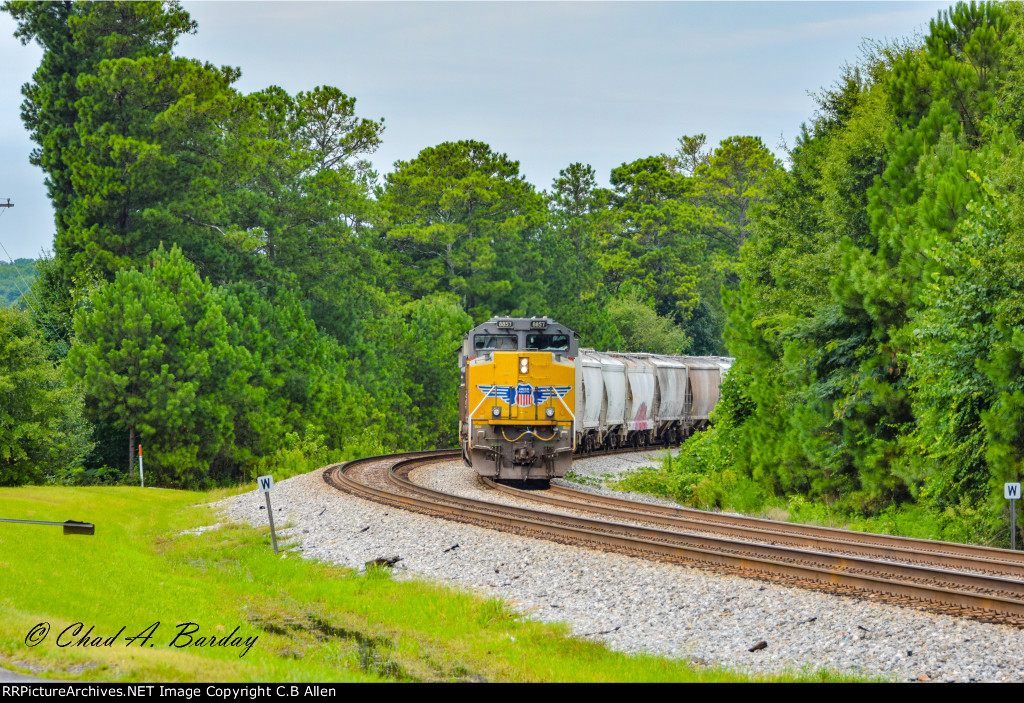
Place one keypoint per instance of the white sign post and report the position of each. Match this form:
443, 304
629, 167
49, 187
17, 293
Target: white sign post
1011, 491
266, 484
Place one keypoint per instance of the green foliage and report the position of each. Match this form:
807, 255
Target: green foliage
42, 431
968, 361
76, 38
875, 315
705, 472
1011, 92
871, 364
295, 380
217, 383
147, 147
293, 201
154, 356
731, 182
461, 219
578, 217
103, 476
641, 329
52, 306
428, 347
914, 207
295, 456
671, 229
16, 280
305, 312
140, 123
655, 247
700, 480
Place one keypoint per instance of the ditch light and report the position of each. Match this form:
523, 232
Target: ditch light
71, 527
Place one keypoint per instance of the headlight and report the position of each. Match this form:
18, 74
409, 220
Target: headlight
496, 411
550, 412
524, 365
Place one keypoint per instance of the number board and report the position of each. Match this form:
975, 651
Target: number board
538, 324
504, 323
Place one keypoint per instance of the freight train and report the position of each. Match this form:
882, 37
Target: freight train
530, 398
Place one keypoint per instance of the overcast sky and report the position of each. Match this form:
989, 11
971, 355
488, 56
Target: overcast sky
548, 83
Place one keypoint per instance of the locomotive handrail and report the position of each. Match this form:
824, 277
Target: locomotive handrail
486, 396
573, 422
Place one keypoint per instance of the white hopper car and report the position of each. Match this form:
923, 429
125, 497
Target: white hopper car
643, 399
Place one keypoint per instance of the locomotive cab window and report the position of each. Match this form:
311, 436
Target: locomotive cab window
495, 342
547, 342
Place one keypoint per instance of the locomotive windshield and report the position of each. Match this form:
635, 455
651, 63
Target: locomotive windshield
495, 342
547, 342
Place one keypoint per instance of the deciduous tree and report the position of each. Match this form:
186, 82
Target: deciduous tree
43, 434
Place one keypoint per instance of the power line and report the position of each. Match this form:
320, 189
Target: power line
28, 295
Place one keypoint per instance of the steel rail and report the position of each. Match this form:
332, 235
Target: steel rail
835, 540
979, 552
770, 552
997, 599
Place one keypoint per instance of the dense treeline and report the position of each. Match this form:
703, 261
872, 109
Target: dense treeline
235, 288
878, 323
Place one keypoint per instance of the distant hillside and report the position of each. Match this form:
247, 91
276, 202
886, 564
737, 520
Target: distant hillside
15, 278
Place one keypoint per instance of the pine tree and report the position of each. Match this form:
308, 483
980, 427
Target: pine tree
153, 353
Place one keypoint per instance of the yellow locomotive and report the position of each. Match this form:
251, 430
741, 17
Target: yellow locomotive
530, 398
517, 398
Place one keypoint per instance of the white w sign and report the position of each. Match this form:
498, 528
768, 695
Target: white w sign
1011, 491
266, 483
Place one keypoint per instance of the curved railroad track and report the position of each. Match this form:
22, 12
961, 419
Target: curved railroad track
977, 582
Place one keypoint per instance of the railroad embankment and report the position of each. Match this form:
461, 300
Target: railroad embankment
167, 590
634, 604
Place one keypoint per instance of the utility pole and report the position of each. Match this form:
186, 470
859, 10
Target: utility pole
7, 204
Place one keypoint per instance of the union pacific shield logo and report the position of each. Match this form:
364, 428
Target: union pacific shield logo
524, 395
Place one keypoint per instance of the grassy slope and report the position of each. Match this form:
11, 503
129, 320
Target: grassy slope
315, 622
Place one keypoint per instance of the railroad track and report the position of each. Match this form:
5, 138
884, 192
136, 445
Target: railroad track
943, 555
977, 582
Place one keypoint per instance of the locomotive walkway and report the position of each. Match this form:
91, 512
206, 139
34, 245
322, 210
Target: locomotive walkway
976, 582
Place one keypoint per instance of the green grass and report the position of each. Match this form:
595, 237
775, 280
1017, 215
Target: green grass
592, 481
313, 621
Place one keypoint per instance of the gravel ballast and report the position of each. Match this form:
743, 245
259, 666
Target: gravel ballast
631, 604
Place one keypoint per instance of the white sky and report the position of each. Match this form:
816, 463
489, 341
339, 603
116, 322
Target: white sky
547, 83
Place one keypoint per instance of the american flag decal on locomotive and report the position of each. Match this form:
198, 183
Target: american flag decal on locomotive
524, 395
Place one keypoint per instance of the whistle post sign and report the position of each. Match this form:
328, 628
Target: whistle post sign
266, 484
1011, 491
